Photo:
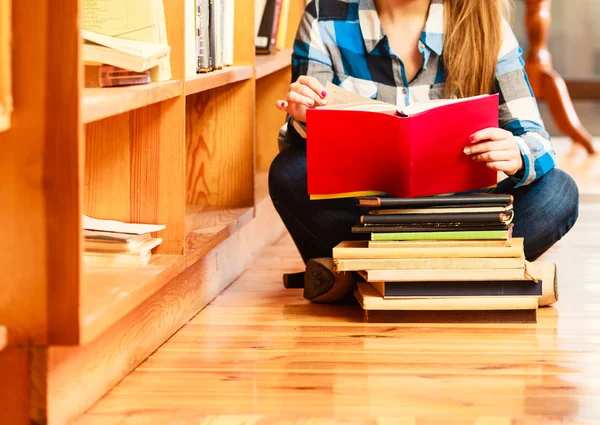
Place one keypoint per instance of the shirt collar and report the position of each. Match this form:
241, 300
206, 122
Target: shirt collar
432, 35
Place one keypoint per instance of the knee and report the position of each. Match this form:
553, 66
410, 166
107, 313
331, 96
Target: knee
562, 194
287, 174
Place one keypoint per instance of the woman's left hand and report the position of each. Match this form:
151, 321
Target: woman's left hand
497, 148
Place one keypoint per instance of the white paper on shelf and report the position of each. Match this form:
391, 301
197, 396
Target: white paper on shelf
90, 223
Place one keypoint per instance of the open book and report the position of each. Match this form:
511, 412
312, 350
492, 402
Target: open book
358, 146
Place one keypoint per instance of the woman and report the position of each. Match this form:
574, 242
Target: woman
401, 52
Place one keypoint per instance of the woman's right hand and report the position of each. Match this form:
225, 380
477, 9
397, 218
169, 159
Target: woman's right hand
305, 93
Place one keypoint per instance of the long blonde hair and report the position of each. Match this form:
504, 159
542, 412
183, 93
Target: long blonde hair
472, 41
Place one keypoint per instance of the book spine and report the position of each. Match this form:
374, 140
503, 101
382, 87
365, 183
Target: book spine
433, 275
442, 236
462, 289
229, 32
344, 265
213, 33
221, 35
110, 76
437, 218
439, 201
276, 19
265, 31
202, 35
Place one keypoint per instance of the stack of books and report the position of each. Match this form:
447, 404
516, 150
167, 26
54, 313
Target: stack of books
445, 258
125, 42
110, 243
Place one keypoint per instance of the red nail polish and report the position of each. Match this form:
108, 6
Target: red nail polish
471, 138
323, 93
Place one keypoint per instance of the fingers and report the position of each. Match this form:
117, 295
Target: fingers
496, 155
505, 166
491, 133
307, 92
487, 147
313, 84
294, 97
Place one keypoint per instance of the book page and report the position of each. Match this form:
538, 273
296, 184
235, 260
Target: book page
339, 96
90, 223
132, 47
131, 19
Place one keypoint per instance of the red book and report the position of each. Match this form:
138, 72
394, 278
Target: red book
361, 149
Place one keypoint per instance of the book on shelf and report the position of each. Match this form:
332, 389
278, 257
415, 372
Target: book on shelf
266, 38
216, 19
283, 24
189, 38
228, 31
203, 36
110, 243
135, 20
358, 146
98, 76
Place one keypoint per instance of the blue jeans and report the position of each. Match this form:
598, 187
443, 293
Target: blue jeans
545, 210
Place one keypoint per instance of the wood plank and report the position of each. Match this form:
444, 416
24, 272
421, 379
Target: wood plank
157, 191
106, 102
79, 376
269, 64
23, 215
243, 32
107, 169
215, 79
269, 90
207, 227
14, 386
110, 293
220, 146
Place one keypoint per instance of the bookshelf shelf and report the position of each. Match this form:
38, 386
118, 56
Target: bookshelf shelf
207, 227
109, 293
211, 80
269, 64
106, 102
3, 337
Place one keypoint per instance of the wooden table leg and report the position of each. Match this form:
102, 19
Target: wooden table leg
546, 83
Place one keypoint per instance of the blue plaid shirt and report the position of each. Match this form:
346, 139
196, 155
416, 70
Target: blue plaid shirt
342, 41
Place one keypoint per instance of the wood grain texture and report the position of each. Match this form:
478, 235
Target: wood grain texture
269, 90
268, 64
207, 227
79, 376
243, 33
264, 351
107, 169
23, 212
103, 103
295, 15
14, 386
110, 293
220, 146
157, 191
212, 80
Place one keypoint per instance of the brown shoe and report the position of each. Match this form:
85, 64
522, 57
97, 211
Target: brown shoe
323, 285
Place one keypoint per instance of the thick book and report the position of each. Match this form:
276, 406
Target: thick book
359, 264
442, 289
216, 33
441, 210
426, 227
262, 43
371, 299
468, 217
369, 148
203, 36
444, 236
360, 249
138, 56
444, 275
447, 201
137, 20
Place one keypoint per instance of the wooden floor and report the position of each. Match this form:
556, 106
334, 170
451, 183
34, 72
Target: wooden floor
260, 354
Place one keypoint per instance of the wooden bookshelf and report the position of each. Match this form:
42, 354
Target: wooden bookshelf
268, 64
110, 293
189, 153
207, 227
106, 102
212, 80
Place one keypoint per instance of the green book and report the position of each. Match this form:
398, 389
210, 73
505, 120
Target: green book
442, 236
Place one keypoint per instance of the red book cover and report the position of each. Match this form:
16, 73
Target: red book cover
276, 19
358, 153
